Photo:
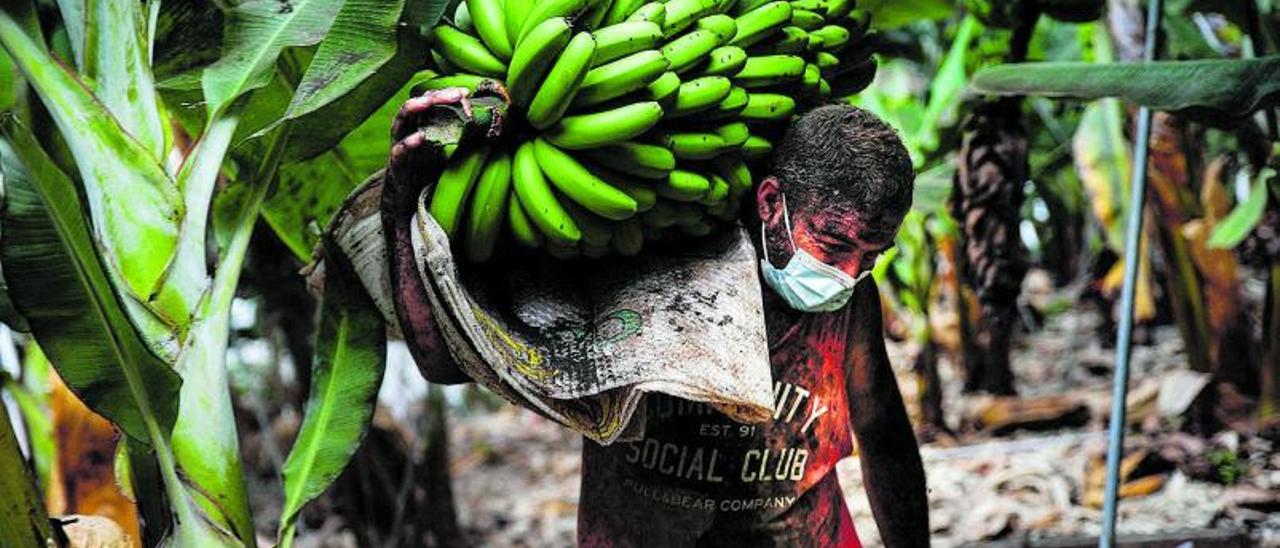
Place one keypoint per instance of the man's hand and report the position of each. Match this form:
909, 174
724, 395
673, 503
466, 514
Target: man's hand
416, 159
413, 155
891, 467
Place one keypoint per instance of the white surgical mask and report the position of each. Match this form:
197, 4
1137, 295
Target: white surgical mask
807, 284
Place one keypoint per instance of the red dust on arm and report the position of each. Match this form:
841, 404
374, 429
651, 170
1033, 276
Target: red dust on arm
891, 467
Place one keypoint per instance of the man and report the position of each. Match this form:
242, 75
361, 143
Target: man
841, 183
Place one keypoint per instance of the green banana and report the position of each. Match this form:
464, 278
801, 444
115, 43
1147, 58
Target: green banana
747, 6
562, 82
725, 61
861, 49
443, 64
790, 40
770, 70
761, 23
644, 196
723, 26
594, 16
580, 185
807, 20
534, 56
694, 146
469, 81
811, 5
680, 14
595, 251
539, 200
700, 94
596, 231
682, 186
833, 37
731, 106
617, 41
827, 63
719, 192
734, 171
768, 107
514, 16
620, 77
453, 188
664, 89
855, 79
467, 52
491, 24
653, 12
621, 10
837, 9
697, 228
812, 79
734, 133
489, 207
583, 131
522, 229
689, 213
858, 22
564, 253
824, 89
756, 148
662, 215
636, 159
814, 42
628, 238
685, 52
546, 9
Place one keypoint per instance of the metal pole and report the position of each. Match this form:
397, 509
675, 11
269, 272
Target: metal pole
1124, 342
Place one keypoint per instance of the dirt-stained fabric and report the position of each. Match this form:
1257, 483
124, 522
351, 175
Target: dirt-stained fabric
581, 342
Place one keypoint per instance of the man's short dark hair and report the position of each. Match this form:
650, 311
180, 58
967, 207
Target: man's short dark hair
841, 152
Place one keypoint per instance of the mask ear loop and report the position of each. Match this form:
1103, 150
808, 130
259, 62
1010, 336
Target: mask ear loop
786, 218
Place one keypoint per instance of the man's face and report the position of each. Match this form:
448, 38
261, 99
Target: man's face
833, 232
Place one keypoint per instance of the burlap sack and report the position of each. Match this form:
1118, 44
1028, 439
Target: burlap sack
582, 342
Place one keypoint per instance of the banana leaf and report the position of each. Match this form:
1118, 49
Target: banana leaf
311, 191
319, 127
1237, 226
24, 523
116, 62
1216, 91
349, 363
134, 206
889, 14
255, 34
61, 286
362, 39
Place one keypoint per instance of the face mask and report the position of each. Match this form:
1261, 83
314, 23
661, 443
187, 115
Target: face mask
807, 284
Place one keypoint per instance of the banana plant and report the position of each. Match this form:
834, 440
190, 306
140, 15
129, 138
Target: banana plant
108, 218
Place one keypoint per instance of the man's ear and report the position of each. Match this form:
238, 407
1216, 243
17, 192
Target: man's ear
769, 201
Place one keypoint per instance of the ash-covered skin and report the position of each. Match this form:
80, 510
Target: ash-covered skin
698, 478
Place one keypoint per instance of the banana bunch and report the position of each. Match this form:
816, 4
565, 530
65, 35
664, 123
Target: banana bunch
630, 120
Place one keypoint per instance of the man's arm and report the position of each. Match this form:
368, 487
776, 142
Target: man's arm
415, 160
891, 467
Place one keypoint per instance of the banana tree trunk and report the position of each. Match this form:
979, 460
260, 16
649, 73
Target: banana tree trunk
1269, 403
987, 202
438, 509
